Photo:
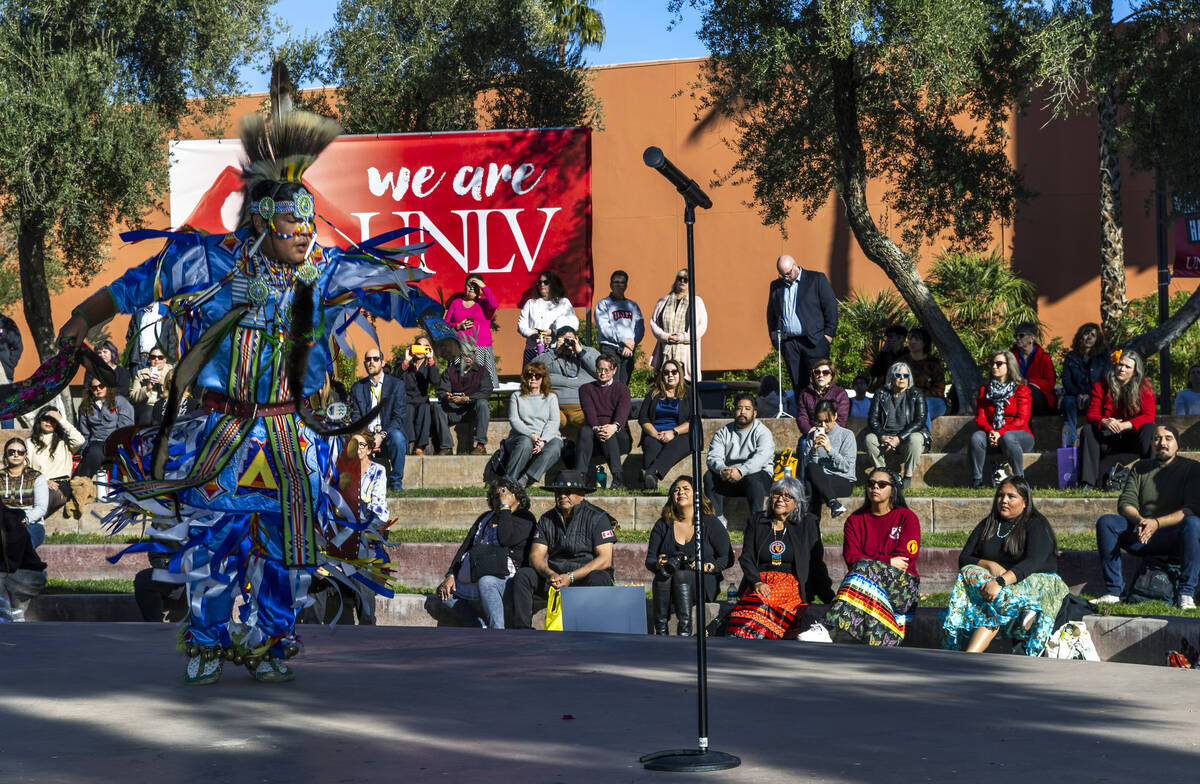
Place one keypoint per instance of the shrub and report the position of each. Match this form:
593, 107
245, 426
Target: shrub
1142, 316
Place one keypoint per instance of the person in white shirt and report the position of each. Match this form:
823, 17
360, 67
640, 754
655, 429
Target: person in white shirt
544, 314
619, 325
740, 458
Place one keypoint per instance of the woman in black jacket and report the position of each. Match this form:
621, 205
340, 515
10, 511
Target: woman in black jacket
664, 421
782, 564
897, 422
671, 556
493, 550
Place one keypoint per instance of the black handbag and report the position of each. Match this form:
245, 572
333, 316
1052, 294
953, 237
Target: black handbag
488, 560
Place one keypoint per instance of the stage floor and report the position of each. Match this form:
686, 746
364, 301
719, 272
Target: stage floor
84, 703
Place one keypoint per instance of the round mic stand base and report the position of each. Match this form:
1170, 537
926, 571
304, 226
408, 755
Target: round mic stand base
689, 761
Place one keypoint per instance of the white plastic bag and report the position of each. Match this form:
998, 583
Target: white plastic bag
1071, 641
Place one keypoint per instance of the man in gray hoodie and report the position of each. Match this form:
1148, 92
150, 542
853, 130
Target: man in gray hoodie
570, 365
740, 458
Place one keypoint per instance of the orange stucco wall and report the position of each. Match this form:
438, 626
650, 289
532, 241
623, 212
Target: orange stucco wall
638, 226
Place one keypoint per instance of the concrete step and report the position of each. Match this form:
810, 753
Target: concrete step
1067, 515
424, 565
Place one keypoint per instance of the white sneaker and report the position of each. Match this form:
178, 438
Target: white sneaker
1108, 598
815, 633
1187, 603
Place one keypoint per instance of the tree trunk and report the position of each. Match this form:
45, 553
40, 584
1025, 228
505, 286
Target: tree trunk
35, 292
1112, 238
900, 268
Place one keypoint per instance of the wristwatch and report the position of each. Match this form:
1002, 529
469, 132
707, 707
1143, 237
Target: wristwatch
1000, 580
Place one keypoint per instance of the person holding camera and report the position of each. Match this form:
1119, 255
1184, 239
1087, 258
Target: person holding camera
149, 386
671, 556
419, 372
470, 314
570, 365
830, 460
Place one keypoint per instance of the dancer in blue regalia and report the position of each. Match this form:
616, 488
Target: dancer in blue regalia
244, 491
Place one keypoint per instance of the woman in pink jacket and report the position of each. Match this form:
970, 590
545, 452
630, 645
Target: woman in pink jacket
470, 314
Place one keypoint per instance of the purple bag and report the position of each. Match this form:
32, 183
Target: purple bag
1068, 468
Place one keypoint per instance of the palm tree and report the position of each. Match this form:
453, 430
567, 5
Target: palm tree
575, 21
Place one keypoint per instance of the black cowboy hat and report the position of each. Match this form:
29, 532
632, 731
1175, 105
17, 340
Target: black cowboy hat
573, 481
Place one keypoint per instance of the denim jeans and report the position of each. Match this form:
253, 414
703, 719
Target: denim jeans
397, 448
1013, 445
482, 601
1114, 533
934, 408
1069, 406
37, 534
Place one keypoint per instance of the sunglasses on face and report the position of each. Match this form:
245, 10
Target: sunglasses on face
372, 359
670, 372
878, 484
533, 376
999, 362
97, 387
1023, 335
15, 452
543, 283
900, 375
157, 357
681, 278
823, 372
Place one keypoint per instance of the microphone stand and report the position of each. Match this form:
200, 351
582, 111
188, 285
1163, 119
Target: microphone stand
701, 758
782, 411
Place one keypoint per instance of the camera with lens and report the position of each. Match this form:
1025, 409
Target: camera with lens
674, 563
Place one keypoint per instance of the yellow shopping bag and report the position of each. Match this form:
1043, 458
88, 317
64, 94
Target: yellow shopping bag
554, 610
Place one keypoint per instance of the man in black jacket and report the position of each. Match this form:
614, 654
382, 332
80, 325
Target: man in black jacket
802, 313
387, 392
463, 395
572, 545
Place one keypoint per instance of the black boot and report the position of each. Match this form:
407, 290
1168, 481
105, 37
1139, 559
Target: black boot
660, 593
682, 594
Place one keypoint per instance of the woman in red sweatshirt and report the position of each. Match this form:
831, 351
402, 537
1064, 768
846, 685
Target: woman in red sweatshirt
1120, 416
879, 592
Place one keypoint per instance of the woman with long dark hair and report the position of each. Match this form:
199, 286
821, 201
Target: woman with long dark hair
1002, 415
1085, 364
782, 546
490, 554
879, 593
671, 556
544, 313
1120, 416
1007, 577
101, 413
665, 420
51, 453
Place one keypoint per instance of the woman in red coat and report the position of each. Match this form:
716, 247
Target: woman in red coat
1120, 416
1002, 413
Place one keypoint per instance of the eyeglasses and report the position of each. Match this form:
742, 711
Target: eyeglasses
14, 452
782, 494
900, 375
603, 369
877, 484
822, 372
543, 282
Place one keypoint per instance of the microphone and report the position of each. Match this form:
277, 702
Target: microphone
692, 193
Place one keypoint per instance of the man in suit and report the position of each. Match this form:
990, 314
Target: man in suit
802, 309
387, 392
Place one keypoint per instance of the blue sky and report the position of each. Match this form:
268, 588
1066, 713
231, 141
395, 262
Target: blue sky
635, 31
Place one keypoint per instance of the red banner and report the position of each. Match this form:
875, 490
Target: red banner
1187, 248
506, 205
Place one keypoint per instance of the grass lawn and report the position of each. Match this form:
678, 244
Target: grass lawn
916, 492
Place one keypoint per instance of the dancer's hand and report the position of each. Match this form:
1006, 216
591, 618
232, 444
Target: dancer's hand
74, 331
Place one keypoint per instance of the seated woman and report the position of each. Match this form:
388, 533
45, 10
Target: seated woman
534, 443
929, 372
25, 490
102, 412
491, 553
51, 450
1120, 417
780, 550
1002, 414
1006, 578
829, 463
897, 422
671, 556
665, 420
1085, 364
879, 593
821, 386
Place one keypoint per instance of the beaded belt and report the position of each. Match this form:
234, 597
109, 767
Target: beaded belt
243, 409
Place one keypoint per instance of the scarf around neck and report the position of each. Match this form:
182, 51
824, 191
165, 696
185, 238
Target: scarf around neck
1000, 393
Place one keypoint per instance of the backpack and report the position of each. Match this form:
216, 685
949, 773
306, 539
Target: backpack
1155, 582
